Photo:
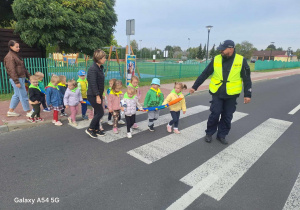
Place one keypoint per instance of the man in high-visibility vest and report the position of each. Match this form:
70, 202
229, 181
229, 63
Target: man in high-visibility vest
229, 72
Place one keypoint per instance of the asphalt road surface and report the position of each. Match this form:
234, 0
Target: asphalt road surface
49, 167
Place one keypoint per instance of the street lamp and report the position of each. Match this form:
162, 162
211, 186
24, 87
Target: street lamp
208, 28
141, 48
272, 43
288, 53
189, 47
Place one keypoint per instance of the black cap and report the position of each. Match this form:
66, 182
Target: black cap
226, 44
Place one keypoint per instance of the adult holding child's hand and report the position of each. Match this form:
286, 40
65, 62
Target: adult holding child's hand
17, 73
95, 78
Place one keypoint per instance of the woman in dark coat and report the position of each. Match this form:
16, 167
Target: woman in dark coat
95, 78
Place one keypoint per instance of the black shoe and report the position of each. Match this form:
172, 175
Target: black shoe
208, 138
151, 128
100, 133
91, 133
222, 140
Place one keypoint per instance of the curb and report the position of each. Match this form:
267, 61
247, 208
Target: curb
4, 129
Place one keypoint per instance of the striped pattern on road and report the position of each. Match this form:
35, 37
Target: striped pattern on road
233, 162
143, 125
293, 201
295, 110
162, 147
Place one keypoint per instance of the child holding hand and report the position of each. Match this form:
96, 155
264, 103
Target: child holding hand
114, 103
153, 98
175, 109
71, 100
131, 102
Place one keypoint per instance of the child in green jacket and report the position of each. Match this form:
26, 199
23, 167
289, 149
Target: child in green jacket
153, 98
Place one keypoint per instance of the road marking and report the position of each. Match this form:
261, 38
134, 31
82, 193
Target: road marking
86, 123
189, 197
293, 201
295, 110
143, 125
232, 163
162, 147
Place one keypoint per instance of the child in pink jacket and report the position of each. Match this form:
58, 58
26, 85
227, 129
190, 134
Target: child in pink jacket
114, 105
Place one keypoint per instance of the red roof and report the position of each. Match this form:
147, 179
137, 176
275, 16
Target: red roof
268, 53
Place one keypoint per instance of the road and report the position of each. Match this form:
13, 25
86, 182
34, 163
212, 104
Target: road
62, 168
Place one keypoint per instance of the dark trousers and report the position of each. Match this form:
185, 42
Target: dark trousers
110, 115
175, 118
225, 108
84, 107
129, 121
37, 110
43, 101
98, 113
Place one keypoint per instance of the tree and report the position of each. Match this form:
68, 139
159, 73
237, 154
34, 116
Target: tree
279, 49
204, 52
170, 51
271, 46
134, 44
245, 49
200, 52
298, 54
7, 16
213, 52
74, 25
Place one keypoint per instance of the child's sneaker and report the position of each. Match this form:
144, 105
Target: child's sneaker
46, 110
135, 126
58, 123
129, 135
91, 133
169, 128
115, 130
110, 122
63, 115
70, 120
12, 114
176, 131
53, 121
121, 122
151, 128
29, 114
85, 117
31, 120
38, 119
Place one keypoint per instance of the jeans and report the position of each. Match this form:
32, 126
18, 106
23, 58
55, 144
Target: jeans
83, 108
20, 94
175, 118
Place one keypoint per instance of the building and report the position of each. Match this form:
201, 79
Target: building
25, 52
285, 58
267, 55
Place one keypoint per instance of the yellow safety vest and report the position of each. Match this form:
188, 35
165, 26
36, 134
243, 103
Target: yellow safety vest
234, 84
83, 87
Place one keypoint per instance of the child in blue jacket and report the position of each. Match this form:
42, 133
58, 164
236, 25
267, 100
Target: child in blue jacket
54, 98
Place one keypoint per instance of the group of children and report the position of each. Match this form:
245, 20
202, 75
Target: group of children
61, 94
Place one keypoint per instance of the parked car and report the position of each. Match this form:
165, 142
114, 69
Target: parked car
253, 60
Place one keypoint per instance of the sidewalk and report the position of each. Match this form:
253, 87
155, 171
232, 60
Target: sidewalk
14, 123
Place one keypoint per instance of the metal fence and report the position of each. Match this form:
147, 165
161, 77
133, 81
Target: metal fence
263, 65
147, 71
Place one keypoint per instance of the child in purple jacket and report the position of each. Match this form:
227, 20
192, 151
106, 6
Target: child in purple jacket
71, 100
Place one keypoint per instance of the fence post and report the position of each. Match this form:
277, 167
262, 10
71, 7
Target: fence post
180, 70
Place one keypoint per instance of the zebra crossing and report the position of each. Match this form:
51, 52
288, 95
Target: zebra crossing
219, 174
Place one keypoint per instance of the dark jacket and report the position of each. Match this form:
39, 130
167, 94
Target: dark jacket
62, 88
35, 94
95, 78
226, 64
54, 97
15, 67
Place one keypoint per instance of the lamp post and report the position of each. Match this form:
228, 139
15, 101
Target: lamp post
208, 28
288, 53
141, 54
272, 43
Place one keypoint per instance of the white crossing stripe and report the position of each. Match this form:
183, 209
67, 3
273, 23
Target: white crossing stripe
293, 201
295, 110
160, 148
143, 125
232, 163
86, 123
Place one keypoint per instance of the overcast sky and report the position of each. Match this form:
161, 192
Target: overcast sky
171, 22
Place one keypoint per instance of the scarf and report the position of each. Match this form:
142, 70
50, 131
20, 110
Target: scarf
133, 86
61, 84
74, 90
51, 85
115, 93
36, 87
157, 91
127, 97
173, 91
